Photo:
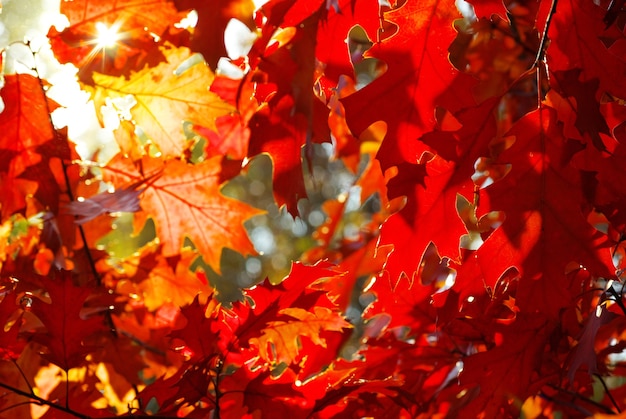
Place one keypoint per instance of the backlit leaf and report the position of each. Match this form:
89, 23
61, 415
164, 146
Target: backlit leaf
166, 95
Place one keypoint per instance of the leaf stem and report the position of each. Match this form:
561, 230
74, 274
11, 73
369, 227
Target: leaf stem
544, 36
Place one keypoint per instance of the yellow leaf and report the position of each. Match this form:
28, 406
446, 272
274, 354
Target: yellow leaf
166, 95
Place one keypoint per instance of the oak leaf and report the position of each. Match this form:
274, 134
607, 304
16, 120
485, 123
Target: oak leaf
413, 85
185, 201
432, 187
546, 227
213, 17
580, 40
66, 330
281, 340
133, 25
174, 91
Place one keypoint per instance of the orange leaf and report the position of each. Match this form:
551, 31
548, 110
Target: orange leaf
132, 24
185, 201
280, 341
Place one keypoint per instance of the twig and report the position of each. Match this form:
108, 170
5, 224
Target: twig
608, 393
70, 194
575, 395
43, 401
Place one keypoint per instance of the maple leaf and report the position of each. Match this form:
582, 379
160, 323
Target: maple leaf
166, 95
185, 201
66, 331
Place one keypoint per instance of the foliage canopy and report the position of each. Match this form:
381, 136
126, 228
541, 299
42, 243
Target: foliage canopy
485, 147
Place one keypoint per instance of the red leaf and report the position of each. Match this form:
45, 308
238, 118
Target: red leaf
546, 227
208, 34
414, 84
66, 329
577, 31
10, 322
433, 186
515, 368
28, 143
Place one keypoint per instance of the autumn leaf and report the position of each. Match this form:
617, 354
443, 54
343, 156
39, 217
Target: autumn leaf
129, 28
285, 125
432, 186
208, 34
406, 95
20, 122
517, 366
532, 237
66, 330
331, 47
11, 320
581, 41
298, 306
281, 340
201, 345
166, 95
185, 201
156, 279
252, 392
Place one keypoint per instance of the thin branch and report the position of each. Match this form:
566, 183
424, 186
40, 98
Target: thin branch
575, 395
42, 401
567, 404
618, 299
219, 364
70, 194
30, 388
13, 406
608, 393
